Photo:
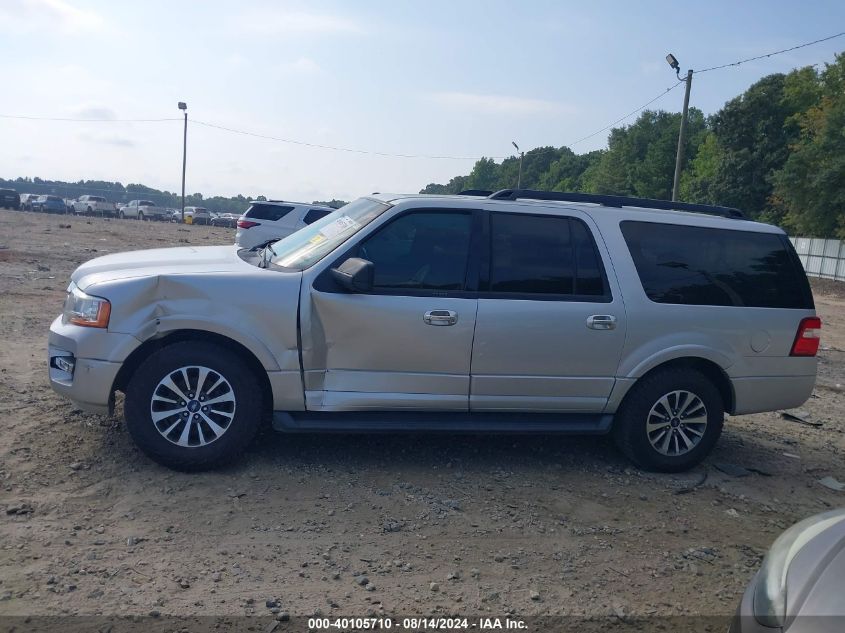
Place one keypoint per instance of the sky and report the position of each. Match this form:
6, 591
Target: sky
458, 79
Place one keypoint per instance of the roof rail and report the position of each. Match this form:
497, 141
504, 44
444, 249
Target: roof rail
617, 201
476, 192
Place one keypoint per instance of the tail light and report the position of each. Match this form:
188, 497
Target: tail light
247, 224
808, 337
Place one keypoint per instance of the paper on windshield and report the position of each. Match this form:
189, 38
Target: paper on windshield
343, 223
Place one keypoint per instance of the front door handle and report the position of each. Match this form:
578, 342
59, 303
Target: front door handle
601, 322
440, 317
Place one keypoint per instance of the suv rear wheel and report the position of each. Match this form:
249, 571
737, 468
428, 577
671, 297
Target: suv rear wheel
670, 420
193, 406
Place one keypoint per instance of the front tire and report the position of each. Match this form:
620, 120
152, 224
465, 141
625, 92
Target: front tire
141, 216
193, 406
670, 420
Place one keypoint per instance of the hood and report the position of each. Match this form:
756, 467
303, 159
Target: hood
160, 261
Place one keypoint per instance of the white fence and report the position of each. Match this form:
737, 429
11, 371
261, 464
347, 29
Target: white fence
821, 257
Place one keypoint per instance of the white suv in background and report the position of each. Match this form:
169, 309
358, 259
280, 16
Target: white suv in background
275, 219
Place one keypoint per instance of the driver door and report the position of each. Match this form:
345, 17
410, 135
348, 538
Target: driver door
407, 343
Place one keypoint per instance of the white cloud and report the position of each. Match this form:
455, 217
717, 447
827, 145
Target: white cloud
498, 104
31, 15
300, 66
107, 139
94, 111
278, 21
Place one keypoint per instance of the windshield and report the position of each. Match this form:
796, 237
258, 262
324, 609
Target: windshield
309, 245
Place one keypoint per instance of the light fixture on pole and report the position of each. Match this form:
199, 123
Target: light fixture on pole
682, 135
521, 156
184, 106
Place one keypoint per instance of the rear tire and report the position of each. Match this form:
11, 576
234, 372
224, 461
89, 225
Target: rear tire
670, 420
200, 437
141, 216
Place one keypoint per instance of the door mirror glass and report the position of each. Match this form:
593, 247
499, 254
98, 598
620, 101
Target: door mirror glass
355, 274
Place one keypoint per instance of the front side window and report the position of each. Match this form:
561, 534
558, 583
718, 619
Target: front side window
424, 250
696, 265
543, 255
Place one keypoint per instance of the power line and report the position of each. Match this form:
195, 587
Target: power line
785, 50
332, 147
630, 114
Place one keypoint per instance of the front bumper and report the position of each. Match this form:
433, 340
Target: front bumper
91, 359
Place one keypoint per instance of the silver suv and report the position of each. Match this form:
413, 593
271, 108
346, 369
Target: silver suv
521, 312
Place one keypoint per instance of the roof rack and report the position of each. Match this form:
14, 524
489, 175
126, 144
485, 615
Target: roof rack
617, 201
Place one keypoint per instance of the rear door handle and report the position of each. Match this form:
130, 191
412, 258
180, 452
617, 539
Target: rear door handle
601, 322
440, 317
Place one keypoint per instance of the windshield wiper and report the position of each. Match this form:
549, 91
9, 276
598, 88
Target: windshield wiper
264, 249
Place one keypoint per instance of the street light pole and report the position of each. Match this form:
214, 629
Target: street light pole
682, 135
184, 106
521, 156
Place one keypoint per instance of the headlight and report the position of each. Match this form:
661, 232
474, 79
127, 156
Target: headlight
770, 592
83, 309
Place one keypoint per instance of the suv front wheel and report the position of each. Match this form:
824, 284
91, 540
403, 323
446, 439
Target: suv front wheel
670, 420
193, 406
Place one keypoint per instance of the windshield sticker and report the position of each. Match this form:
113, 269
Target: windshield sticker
343, 223
318, 238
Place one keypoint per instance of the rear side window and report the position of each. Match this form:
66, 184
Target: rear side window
696, 265
270, 212
543, 255
315, 214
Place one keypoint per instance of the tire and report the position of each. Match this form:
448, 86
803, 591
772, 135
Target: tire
240, 395
657, 399
120, 215
140, 216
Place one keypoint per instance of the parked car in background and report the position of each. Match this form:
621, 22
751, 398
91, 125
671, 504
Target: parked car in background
172, 215
227, 220
94, 205
26, 201
10, 199
525, 311
49, 204
799, 587
143, 210
275, 219
197, 215
69, 205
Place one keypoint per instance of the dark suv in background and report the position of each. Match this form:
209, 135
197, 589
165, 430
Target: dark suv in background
10, 199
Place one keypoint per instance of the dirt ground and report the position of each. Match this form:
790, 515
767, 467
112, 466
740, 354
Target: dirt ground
436, 524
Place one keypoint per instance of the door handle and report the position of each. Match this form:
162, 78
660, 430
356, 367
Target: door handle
601, 322
440, 317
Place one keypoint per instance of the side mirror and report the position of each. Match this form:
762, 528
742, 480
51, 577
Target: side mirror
355, 274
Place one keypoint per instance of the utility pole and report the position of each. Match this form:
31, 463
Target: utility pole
521, 156
682, 135
184, 106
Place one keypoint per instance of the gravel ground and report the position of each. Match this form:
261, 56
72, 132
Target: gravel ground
382, 525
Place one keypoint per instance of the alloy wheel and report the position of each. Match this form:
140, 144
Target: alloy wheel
192, 406
676, 423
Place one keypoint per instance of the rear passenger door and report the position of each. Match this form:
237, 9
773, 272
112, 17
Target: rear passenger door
551, 323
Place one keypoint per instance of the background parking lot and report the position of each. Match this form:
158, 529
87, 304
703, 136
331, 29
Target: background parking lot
380, 524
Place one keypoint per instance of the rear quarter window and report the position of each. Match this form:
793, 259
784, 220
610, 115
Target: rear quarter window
695, 265
270, 212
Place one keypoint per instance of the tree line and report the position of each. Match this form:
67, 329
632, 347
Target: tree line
119, 193
777, 152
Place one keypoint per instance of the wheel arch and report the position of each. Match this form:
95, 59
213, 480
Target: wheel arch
710, 369
149, 347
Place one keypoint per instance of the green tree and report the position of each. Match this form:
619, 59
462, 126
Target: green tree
640, 158
809, 190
